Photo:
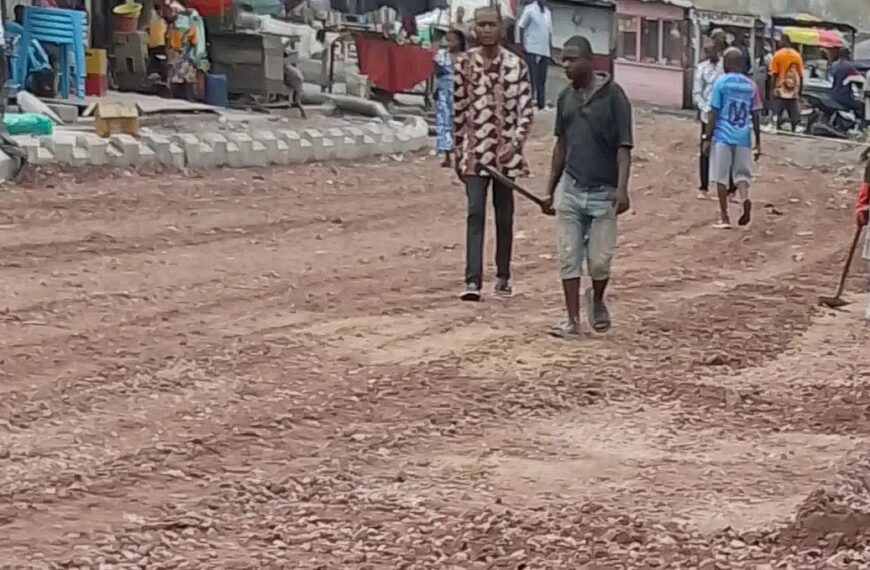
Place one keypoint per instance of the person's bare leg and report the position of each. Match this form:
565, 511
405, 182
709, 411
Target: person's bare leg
598, 289
571, 287
746, 214
722, 190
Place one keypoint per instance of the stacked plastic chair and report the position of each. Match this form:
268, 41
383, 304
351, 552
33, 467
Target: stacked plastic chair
65, 29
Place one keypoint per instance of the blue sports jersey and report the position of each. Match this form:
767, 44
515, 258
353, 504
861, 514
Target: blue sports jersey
735, 97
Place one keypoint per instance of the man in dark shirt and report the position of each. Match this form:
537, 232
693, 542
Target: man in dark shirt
589, 180
841, 92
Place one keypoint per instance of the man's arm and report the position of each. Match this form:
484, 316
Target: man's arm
557, 166
711, 126
625, 142
525, 108
460, 104
698, 88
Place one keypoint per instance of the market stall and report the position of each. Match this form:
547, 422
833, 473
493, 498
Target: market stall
817, 40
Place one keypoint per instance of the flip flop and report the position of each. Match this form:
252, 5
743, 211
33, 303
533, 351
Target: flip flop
599, 322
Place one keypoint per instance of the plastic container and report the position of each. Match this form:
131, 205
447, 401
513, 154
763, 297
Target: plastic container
126, 25
131, 10
216, 90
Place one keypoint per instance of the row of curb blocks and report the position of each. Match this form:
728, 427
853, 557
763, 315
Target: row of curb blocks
233, 149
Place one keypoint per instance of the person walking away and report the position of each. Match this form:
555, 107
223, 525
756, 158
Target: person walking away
735, 106
740, 42
180, 52
445, 57
842, 71
536, 28
706, 74
493, 115
588, 184
459, 23
787, 76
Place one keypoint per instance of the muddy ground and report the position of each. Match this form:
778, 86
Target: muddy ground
270, 369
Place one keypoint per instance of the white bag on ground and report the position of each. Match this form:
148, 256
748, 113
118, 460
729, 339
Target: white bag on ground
30, 103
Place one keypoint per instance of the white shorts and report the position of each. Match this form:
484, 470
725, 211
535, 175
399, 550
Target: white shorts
730, 162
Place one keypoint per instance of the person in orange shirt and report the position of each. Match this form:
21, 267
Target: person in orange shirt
787, 77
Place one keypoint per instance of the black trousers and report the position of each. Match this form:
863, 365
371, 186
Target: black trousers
704, 168
503, 203
538, 66
792, 107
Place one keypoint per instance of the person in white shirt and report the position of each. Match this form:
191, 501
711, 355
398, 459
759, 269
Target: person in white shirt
706, 74
536, 28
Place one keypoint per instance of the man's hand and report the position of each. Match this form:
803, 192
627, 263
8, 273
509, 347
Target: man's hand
863, 216
756, 152
547, 206
621, 201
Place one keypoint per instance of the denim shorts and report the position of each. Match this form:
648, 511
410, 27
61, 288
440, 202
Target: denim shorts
585, 228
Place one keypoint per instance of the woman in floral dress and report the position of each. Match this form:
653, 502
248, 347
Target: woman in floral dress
445, 57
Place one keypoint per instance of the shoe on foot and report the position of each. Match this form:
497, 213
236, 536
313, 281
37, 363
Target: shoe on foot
503, 288
722, 225
746, 216
471, 293
568, 330
597, 313
703, 195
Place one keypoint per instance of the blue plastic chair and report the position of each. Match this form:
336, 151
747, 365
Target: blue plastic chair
38, 59
65, 29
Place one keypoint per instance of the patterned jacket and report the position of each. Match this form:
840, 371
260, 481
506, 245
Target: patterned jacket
493, 112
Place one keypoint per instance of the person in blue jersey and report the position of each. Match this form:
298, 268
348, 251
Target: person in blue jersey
735, 106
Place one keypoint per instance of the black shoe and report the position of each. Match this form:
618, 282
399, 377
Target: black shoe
503, 288
471, 293
746, 216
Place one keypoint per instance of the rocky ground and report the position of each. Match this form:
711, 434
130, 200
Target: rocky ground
270, 370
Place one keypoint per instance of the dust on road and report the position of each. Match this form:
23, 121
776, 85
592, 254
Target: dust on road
271, 370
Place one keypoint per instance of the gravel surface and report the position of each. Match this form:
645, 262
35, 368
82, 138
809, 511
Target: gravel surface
269, 369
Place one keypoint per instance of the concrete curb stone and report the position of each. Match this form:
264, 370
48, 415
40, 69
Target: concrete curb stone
260, 147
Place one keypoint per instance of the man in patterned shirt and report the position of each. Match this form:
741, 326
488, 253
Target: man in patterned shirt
493, 115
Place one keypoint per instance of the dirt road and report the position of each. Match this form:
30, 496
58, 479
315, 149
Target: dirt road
271, 370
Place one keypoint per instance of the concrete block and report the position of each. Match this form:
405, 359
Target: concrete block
270, 141
65, 150
115, 156
300, 148
234, 156
95, 146
126, 150
167, 152
250, 152
68, 113
283, 152
197, 153
219, 145
31, 146
322, 146
8, 166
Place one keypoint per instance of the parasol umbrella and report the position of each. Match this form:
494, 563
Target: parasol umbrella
815, 36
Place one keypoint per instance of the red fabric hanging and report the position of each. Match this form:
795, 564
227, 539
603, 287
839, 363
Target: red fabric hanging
392, 67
